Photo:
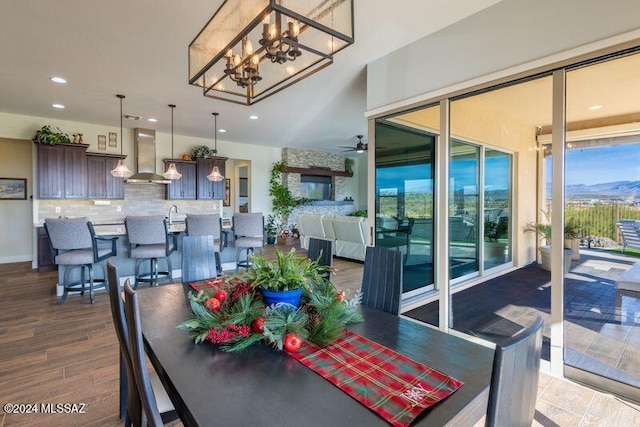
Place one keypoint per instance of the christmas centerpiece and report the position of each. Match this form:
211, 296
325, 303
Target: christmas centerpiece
235, 313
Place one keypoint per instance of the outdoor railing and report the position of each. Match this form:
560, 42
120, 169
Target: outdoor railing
599, 220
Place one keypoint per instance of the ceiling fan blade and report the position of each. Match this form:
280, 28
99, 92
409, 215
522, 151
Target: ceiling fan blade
344, 146
350, 149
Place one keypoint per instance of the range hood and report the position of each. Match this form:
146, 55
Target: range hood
144, 141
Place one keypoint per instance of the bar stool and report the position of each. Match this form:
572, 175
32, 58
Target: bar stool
149, 240
74, 244
248, 229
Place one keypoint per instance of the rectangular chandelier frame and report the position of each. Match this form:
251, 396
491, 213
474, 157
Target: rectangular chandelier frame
314, 31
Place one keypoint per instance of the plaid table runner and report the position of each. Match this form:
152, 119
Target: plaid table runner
394, 386
211, 284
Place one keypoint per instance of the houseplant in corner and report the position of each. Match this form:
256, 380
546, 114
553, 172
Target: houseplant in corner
282, 201
271, 229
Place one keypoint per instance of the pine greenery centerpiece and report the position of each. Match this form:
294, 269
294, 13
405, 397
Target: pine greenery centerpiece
233, 314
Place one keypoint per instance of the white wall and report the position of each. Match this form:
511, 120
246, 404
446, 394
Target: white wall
507, 34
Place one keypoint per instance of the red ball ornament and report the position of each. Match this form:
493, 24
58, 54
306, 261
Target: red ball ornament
221, 295
292, 342
213, 304
340, 296
257, 325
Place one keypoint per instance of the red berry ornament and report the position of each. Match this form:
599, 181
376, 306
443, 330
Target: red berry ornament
213, 304
340, 296
292, 342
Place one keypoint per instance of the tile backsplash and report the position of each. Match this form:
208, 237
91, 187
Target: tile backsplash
140, 199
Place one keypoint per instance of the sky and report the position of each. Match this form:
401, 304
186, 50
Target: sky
603, 164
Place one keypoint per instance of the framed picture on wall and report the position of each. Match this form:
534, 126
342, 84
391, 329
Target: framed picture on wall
13, 188
113, 139
227, 192
102, 142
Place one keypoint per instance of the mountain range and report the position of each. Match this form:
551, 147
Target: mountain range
620, 189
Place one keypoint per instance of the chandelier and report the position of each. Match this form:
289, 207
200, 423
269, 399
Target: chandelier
121, 170
293, 39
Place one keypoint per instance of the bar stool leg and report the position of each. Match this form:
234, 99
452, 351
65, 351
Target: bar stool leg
91, 294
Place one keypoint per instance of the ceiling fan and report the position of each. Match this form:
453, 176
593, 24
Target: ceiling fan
360, 147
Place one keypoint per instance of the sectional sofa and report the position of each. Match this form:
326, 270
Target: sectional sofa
349, 234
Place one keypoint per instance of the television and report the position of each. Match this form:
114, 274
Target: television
315, 187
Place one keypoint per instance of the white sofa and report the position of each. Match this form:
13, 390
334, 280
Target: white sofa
349, 234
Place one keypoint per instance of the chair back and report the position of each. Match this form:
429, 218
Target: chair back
146, 229
203, 225
321, 250
630, 230
147, 398
134, 410
68, 233
248, 224
514, 381
382, 279
198, 260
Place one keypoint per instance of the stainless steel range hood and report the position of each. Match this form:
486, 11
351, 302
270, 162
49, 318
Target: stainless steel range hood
145, 150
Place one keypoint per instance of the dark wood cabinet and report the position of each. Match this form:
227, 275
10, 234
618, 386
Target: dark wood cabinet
185, 187
45, 263
62, 171
100, 183
210, 189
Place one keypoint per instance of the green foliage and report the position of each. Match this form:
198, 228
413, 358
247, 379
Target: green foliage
288, 272
48, 136
282, 201
271, 228
348, 164
201, 152
281, 319
362, 213
571, 230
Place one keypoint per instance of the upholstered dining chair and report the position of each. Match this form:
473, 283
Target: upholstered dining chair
514, 380
75, 244
382, 279
130, 404
150, 400
248, 229
207, 225
150, 240
198, 260
321, 250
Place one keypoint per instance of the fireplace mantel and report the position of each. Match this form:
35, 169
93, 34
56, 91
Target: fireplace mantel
317, 171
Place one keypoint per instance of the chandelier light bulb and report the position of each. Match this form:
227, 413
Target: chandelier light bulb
266, 20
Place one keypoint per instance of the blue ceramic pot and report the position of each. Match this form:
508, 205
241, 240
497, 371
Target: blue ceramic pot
288, 297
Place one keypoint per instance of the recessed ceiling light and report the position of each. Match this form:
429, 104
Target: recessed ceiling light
222, 130
152, 120
253, 117
595, 107
58, 106
57, 79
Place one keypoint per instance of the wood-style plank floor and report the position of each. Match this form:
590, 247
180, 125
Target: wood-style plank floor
69, 353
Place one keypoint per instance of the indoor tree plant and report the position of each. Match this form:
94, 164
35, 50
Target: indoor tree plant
282, 201
271, 229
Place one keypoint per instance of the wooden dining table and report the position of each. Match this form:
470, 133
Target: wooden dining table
262, 386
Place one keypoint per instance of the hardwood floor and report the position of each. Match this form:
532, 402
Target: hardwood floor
69, 353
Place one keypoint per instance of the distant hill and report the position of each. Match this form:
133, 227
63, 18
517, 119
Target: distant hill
618, 189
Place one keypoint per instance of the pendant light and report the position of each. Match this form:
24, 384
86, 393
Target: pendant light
121, 170
215, 175
172, 173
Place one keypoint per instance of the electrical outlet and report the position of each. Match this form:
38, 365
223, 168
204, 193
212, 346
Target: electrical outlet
57, 208
118, 208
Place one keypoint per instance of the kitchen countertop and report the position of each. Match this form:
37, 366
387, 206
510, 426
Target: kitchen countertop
117, 228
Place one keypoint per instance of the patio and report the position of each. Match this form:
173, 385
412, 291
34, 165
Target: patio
599, 338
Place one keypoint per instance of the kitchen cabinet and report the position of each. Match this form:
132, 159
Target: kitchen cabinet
209, 189
45, 262
100, 183
185, 187
62, 171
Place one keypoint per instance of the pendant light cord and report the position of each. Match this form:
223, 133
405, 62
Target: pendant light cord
215, 133
121, 140
172, 107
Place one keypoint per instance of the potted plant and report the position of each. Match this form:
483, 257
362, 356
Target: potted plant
201, 152
271, 229
544, 231
283, 279
48, 136
282, 201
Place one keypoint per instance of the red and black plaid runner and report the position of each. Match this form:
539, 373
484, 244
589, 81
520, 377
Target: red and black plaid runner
394, 386
211, 284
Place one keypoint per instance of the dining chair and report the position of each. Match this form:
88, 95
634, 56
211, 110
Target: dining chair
207, 225
74, 244
156, 405
514, 380
248, 229
198, 260
321, 250
382, 279
149, 240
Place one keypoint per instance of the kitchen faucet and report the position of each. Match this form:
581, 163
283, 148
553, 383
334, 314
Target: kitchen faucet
172, 209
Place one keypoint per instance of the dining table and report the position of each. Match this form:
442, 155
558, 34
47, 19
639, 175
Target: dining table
261, 386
